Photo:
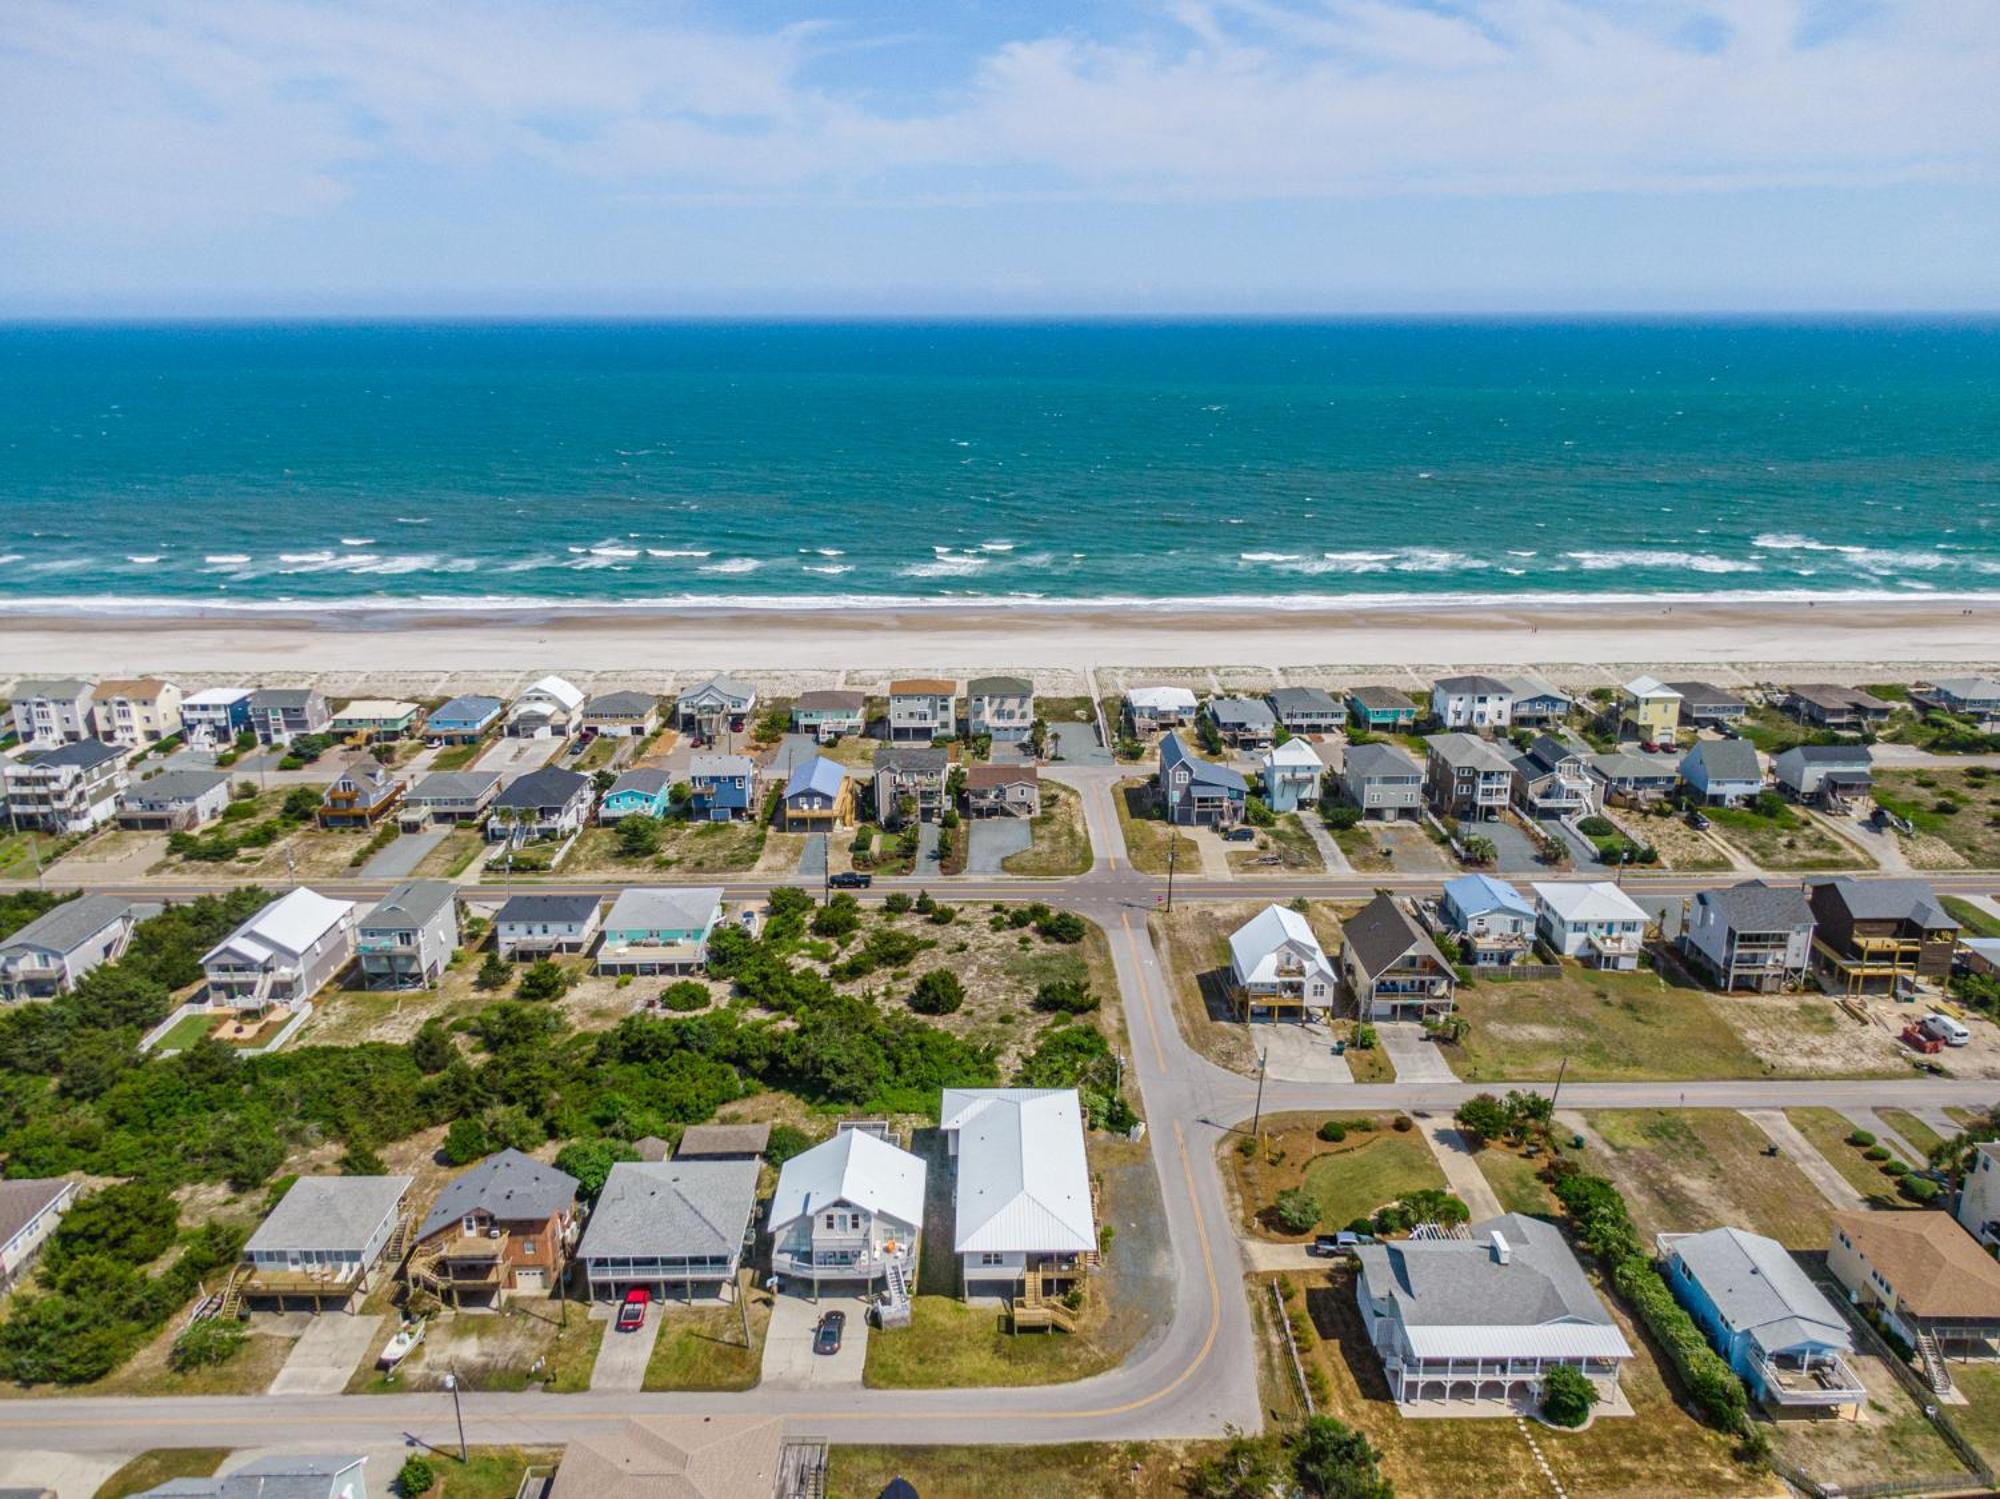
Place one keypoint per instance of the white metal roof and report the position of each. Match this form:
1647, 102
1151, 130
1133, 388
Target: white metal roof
289, 925
1650, 687
215, 697
556, 690
1160, 697
1553, 1340
376, 707
1023, 1179
1293, 752
1600, 900
853, 1167
1253, 947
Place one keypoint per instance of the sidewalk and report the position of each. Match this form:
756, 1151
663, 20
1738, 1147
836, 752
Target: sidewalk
1834, 1187
1461, 1171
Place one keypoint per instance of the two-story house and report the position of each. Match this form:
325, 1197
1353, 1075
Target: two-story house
175, 801
1003, 791
1926, 1278
1245, 722
502, 1229
141, 710
1596, 923
283, 955
543, 804
1826, 705
1753, 936
1974, 698
818, 796
46, 957
830, 714
1467, 777
53, 712
1382, 780
1723, 772
626, 715
449, 796
1636, 777
540, 925
1879, 936
1649, 710
1392, 968
644, 791
1293, 772
721, 705
1307, 710
910, 784
672, 1228
1199, 793
320, 1245
214, 716
371, 720
848, 1211
465, 719
1826, 775
1552, 778
1707, 706
408, 940
1978, 1210
1024, 1225
1538, 702
361, 796
1472, 702
1150, 709
1494, 922
723, 788
659, 930
1380, 710
1277, 968
551, 708
70, 788
922, 709
280, 714
1001, 706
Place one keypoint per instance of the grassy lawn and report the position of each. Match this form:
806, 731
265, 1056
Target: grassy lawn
1828, 1130
1363, 849
187, 1031
1919, 1134
1516, 1181
1062, 844
1790, 840
1195, 940
147, 1372
1976, 921
459, 756
493, 1472
151, 1469
1077, 1470
1893, 1442
1350, 1178
1960, 809
701, 1348
449, 859
1146, 836
1978, 1420
1285, 847
530, 1343
1371, 1066
1688, 1170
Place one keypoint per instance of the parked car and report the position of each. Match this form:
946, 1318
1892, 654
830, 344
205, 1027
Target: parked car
1944, 1028
1240, 835
851, 879
632, 1315
826, 1337
1697, 821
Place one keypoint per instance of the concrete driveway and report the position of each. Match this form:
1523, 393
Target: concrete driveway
812, 858
1076, 744
622, 1356
789, 1361
516, 757
400, 859
994, 839
326, 1354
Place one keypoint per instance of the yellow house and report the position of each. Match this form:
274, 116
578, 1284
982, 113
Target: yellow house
1652, 708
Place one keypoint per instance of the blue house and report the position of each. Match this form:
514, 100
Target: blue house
1381, 709
723, 787
1764, 1315
651, 931
1723, 771
1198, 792
463, 719
1495, 918
636, 793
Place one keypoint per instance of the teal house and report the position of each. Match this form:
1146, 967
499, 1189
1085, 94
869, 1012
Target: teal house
636, 793
1380, 709
653, 930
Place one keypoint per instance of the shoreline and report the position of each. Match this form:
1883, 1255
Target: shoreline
1341, 638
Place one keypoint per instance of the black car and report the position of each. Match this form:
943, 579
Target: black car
826, 1337
1240, 835
1698, 821
851, 879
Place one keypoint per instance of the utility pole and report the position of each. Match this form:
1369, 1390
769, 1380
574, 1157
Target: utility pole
451, 1383
1173, 849
1556, 1091
1257, 1119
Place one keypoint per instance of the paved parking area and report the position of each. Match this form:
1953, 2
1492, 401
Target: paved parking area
400, 859
516, 757
812, 858
622, 1356
326, 1354
994, 839
789, 1361
1299, 1053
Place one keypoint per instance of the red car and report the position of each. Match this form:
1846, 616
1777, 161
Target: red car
632, 1315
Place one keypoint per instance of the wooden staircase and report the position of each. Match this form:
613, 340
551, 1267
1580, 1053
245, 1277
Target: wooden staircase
894, 1310
399, 1241
230, 1302
1033, 1309
1936, 1371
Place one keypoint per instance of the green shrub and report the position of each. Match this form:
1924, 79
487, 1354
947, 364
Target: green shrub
1333, 1131
1861, 1138
415, 1477
1919, 1189
1296, 1210
1567, 1396
938, 992
215, 1340
684, 995
1895, 1168
1341, 818
1876, 1153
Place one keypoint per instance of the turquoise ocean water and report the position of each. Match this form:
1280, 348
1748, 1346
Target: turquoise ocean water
497, 466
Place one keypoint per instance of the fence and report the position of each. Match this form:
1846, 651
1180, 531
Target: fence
159, 1032
1291, 1345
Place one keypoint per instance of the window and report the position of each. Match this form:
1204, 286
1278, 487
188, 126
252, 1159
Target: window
528, 1247
989, 1257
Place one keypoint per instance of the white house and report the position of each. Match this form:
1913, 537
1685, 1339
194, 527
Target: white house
48, 955
1276, 964
283, 955
1492, 916
53, 712
1152, 708
1022, 1208
215, 715
548, 708
1979, 1200
175, 800
70, 788
29, 1213
850, 1209
717, 704
143, 710
1001, 706
1472, 702
1292, 775
1723, 772
1750, 936
1597, 923
534, 926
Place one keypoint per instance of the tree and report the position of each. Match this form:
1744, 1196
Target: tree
1297, 1211
638, 837
590, 1162
431, 1047
494, 972
1066, 997
465, 1142
1065, 927
133, 1223
1257, 812
1333, 1461
543, 980
1478, 849
1480, 1118
938, 992
1567, 1396
684, 995
301, 804
1339, 816
839, 917
415, 1477
214, 1340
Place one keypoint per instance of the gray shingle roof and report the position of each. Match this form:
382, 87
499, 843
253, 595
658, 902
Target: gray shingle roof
266, 698
1459, 1283
563, 908
1468, 752
1241, 712
1381, 932
1285, 700
915, 758
1754, 906
831, 700
1476, 685
551, 786
1206, 772
659, 907
1382, 699
454, 785
70, 924
1727, 760
672, 1208
1698, 695
1371, 761
56, 687
622, 704
1000, 687
700, 1140
409, 904
267, 1478
647, 780
1843, 755
174, 786
330, 1212
719, 767
85, 754
470, 708
1890, 900
21, 1200
511, 1187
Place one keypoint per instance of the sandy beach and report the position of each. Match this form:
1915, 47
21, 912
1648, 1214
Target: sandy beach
1732, 642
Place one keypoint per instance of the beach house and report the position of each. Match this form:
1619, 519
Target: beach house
1927, 1279
1974, 698
1538, 702
829, 714
361, 796
543, 804
1707, 706
1150, 709
656, 930
1467, 777
175, 801
1392, 968
501, 1229
280, 714
709, 1456
622, 715
1596, 923
1552, 778
1278, 969
720, 705
1472, 702
643, 791
215, 715
409, 938
320, 1245
1306, 710
464, 719
1003, 791
1723, 772
1826, 705
1198, 793
136, 711
1380, 710
539, 925
1635, 777
550, 708
48, 955
673, 1228
910, 784
1245, 722
53, 712
1755, 936
284, 955
318, 1475
1003, 707
1978, 1210
723, 788
922, 709
850, 1209
449, 796
1293, 772
72, 787
1879, 936
1024, 1221
1825, 775
30, 1209
1649, 710
1494, 922
370, 720
1382, 780
818, 796
1760, 1311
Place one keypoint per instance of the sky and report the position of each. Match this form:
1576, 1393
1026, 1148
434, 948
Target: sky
996, 157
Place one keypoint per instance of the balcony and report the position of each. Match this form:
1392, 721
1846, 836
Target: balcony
834, 1260
1825, 1380
402, 942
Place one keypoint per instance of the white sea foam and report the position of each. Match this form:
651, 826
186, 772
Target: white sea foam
144, 559
677, 552
732, 565
832, 570
305, 556
1268, 556
944, 567
357, 541
226, 558
395, 566
413, 520
1701, 562
611, 551
998, 546
10, 557
1791, 541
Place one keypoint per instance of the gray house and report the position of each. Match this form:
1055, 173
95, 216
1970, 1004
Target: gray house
175, 800
48, 955
910, 783
1001, 706
1723, 772
318, 1476
630, 715
1826, 774
1382, 781
407, 940
1467, 777
450, 796
1751, 936
1306, 710
1552, 778
1244, 722
279, 714
534, 926
674, 1228
323, 1240
1197, 792
1537, 700
1705, 705
71, 788
546, 803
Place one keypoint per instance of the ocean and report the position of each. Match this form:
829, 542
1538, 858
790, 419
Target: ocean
502, 466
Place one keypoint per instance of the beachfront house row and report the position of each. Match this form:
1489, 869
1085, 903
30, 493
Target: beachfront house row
1974, 698
644, 791
1023, 1218
1538, 702
818, 796
1199, 793
1293, 772
622, 715
848, 1210
1392, 968
1928, 1280
465, 719
1825, 705
316, 1475
1467, 777
280, 714
215, 715
1879, 936
1754, 936
1494, 922
377, 719
46, 957
828, 715
1001, 706
672, 1228
503, 1228
1634, 777
1597, 923
656, 930
1650, 710
1723, 772
1760, 1311
1552, 778
1383, 781
283, 955
1380, 710
1472, 702
408, 940
1707, 706
70, 788
361, 796
30, 1209
320, 1245
922, 709
1244, 722
541, 925
136, 711
548, 709
449, 796
1149, 709
57, 711
1003, 791
723, 788
1825, 775
715, 707
910, 784
1484, 1317
543, 804
1307, 710
1978, 1210
1277, 968
175, 801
